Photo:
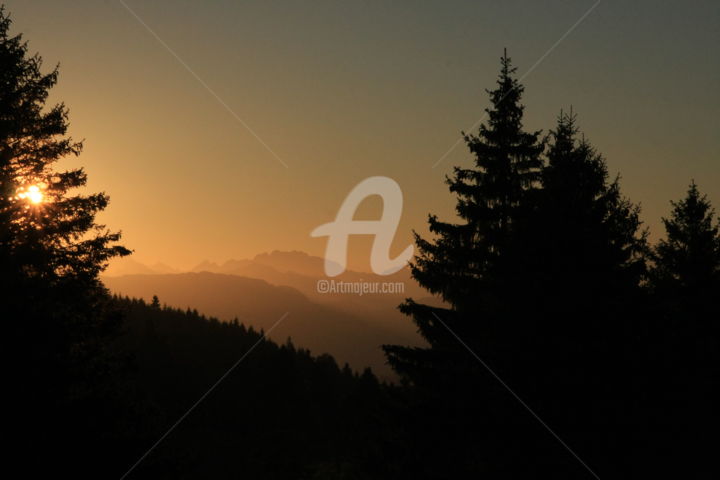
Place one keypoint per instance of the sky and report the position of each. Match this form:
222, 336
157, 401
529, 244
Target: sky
222, 129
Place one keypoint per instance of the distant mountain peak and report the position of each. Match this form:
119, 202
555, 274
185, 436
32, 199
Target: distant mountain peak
129, 266
206, 266
294, 261
160, 267
284, 254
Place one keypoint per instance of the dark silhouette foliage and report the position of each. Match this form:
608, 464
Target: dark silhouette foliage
688, 260
681, 341
548, 298
58, 324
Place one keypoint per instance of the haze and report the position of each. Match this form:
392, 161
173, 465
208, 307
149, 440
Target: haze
349, 90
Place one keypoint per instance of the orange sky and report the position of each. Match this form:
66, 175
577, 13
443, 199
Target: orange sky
342, 91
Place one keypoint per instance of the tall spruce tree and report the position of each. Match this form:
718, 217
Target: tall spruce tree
462, 264
683, 340
56, 319
688, 259
584, 243
581, 264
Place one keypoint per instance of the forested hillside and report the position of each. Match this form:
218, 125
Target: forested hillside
280, 413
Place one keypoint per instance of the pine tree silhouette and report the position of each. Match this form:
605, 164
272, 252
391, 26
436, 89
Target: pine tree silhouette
51, 250
683, 347
688, 260
465, 266
461, 264
580, 267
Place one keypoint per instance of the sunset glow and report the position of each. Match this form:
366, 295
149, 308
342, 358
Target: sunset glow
33, 194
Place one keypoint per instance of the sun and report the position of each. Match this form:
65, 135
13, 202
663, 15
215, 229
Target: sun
33, 194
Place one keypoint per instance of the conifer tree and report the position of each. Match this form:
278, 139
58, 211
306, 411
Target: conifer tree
46, 233
462, 264
580, 267
54, 308
585, 240
688, 260
686, 285
684, 338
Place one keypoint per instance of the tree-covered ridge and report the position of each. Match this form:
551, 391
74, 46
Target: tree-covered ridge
281, 413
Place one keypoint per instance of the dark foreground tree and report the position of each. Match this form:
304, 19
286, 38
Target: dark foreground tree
462, 265
465, 266
55, 317
581, 264
683, 340
688, 259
